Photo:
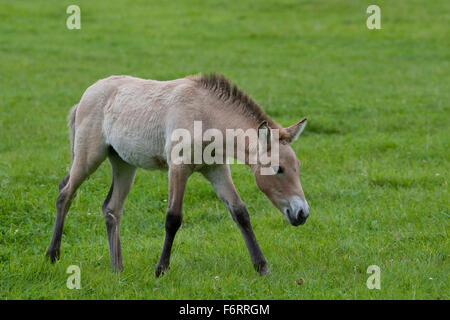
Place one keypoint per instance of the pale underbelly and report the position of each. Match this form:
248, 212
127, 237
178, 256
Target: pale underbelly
142, 154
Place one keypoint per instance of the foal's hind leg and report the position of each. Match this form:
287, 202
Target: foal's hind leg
63, 182
81, 169
123, 177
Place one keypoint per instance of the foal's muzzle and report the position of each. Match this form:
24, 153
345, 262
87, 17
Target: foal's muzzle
297, 211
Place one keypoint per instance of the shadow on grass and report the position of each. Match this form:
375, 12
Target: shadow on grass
402, 183
325, 128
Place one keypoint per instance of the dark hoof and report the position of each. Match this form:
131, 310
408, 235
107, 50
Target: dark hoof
117, 269
262, 269
53, 255
160, 270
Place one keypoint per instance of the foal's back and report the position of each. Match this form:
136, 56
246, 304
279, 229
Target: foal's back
136, 116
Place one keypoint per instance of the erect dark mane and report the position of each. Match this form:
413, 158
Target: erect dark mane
227, 91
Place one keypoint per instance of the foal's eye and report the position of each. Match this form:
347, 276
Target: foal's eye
278, 170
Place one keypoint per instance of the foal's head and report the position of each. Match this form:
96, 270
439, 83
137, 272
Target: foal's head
283, 187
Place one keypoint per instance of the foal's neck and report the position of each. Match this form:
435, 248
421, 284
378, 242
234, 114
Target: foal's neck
242, 127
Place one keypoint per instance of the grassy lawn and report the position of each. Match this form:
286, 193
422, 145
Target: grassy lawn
375, 154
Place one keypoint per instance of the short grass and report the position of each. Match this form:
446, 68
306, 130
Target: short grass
375, 153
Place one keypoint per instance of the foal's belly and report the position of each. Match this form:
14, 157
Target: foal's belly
141, 161
139, 148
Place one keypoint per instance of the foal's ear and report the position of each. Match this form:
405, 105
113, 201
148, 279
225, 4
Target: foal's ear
295, 130
264, 132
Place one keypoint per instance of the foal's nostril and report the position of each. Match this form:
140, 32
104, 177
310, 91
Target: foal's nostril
302, 214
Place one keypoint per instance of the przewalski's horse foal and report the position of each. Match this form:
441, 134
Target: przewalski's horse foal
130, 121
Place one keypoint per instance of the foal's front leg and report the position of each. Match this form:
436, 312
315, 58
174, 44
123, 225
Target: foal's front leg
220, 178
178, 176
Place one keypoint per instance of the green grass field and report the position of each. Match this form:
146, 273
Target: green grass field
375, 158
